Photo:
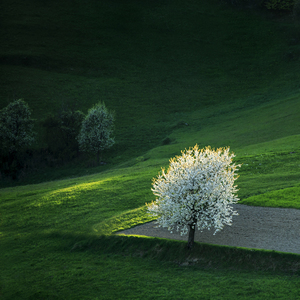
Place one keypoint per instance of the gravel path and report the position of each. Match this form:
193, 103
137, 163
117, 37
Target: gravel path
255, 227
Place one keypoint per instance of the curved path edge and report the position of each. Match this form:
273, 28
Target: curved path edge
255, 227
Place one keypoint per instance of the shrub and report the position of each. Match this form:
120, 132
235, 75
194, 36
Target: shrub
286, 5
61, 131
279, 5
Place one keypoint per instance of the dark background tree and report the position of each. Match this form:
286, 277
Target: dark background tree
61, 130
16, 134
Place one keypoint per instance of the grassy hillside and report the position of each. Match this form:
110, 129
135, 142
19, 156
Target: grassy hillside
176, 73
158, 66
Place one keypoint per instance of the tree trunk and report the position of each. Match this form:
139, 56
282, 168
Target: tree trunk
191, 237
98, 158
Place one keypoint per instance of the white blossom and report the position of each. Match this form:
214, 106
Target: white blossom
197, 190
96, 130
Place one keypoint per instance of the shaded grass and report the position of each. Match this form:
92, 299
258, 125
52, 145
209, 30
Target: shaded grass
202, 255
156, 65
135, 267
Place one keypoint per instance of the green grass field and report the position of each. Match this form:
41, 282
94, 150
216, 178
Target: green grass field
176, 73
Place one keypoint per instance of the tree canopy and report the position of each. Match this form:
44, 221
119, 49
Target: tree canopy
96, 130
196, 191
16, 126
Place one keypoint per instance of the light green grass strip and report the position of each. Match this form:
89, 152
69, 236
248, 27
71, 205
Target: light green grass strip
123, 221
288, 143
286, 198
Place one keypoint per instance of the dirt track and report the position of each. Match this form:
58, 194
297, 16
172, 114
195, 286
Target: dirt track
255, 227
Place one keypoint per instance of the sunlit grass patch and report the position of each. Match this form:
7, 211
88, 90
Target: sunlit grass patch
123, 221
286, 198
89, 191
287, 144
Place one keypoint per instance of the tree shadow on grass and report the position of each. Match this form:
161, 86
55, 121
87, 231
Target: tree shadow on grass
173, 251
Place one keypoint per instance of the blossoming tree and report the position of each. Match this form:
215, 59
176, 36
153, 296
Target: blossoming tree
196, 191
96, 131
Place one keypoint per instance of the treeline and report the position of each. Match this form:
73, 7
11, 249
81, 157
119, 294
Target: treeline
276, 5
65, 135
